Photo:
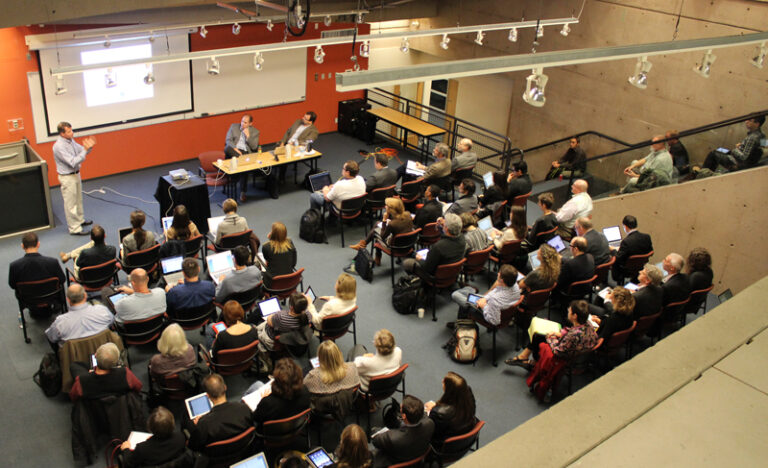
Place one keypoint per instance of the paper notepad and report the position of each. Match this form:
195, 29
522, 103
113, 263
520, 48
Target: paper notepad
136, 437
253, 399
543, 327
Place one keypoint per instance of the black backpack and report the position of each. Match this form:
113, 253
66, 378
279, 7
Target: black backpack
364, 265
48, 376
405, 294
463, 346
311, 227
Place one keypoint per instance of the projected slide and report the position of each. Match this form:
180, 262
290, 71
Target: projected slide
121, 84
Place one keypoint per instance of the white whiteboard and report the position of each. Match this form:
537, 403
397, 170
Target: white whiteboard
283, 79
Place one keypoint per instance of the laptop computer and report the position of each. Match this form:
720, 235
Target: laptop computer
412, 169
557, 244
172, 269
122, 232
488, 179
213, 225
613, 236
220, 264
167, 221
533, 257
486, 224
257, 461
198, 405
318, 181
269, 307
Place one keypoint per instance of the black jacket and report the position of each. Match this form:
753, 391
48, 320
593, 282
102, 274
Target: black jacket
96, 255
33, 267
597, 245
648, 301
519, 186
578, 268
636, 243
676, 288
428, 213
404, 443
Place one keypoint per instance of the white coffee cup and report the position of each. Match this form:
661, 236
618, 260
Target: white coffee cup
421, 312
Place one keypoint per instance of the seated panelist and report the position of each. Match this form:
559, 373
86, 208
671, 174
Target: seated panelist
302, 131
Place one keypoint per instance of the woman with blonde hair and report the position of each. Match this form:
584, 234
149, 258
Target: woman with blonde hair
279, 253
333, 374
616, 313
345, 299
353, 451
546, 274
395, 220
176, 354
387, 358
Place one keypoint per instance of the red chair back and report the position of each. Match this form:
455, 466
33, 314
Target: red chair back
534, 301
476, 260
231, 449
383, 386
635, 263
602, 270
402, 245
414, 462
615, 341
498, 213
234, 361
521, 200
94, 278
508, 253
545, 235
377, 196
147, 259
211, 173
140, 332
192, 318
193, 245
579, 289
644, 324
40, 293
284, 285
461, 174
280, 432
453, 448
447, 275
351, 208
429, 234
230, 241
411, 191
697, 299
336, 326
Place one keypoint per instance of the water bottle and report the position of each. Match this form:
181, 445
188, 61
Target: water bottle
21, 324
259, 150
288, 151
233, 164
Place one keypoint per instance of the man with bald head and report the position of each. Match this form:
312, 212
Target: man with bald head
83, 319
140, 302
658, 160
597, 244
580, 205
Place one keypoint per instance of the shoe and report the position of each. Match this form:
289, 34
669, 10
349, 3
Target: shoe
243, 198
64, 257
359, 246
377, 260
87, 222
81, 233
450, 325
517, 362
350, 269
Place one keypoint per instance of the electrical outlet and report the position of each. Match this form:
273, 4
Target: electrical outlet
15, 124
316, 76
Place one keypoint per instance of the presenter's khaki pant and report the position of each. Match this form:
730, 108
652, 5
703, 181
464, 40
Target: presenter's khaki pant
72, 193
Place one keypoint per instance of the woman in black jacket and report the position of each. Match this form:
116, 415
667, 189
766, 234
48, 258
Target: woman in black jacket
454, 412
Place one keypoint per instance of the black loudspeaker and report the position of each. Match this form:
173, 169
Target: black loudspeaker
366, 128
350, 113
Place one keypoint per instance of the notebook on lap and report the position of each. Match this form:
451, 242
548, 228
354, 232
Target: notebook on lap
318, 181
172, 269
412, 169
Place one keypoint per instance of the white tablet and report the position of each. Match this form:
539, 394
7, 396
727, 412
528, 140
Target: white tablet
198, 405
319, 458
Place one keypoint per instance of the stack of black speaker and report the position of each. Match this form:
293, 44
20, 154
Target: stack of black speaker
355, 121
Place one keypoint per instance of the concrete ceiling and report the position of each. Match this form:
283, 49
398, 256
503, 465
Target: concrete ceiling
150, 12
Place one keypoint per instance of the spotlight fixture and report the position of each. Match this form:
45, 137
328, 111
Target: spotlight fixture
203, 31
566, 29
270, 25
327, 20
236, 29
640, 78
512, 35
365, 49
540, 31
479, 38
61, 88
213, 67
149, 78
405, 46
109, 79
258, 61
445, 41
534, 88
360, 17
760, 52
706, 64
107, 42
319, 54
151, 37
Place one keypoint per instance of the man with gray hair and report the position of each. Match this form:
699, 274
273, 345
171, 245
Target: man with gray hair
107, 378
449, 249
140, 302
437, 170
675, 285
467, 158
658, 160
649, 295
83, 319
597, 244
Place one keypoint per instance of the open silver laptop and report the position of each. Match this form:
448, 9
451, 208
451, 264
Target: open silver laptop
213, 225
486, 224
613, 236
172, 269
220, 264
488, 179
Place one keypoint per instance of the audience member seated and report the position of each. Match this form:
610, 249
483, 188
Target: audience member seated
138, 238
580, 267
675, 285
649, 296
190, 291
546, 274
243, 278
288, 396
353, 451
634, 243
467, 201
449, 249
242, 138
176, 354
330, 383
454, 413
345, 299
83, 319
409, 441
226, 419
233, 224
33, 266
516, 230
279, 253
467, 158
384, 175
569, 342
492, 195
475, 239
617, 315
546, 222
140, 302
296, 318
182, 228
700, 273
237, 334
432, 208
502, 294
107, 378
679, 153
395, 220
387, 359
658, 164
93, 253
572, 164
519, 182
437, 170
746, 154
165, 445
580, 205
597, 244
351, 185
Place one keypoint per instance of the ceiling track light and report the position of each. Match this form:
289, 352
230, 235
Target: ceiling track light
760, 52
566, 29
365, 49
109, 79
539, 31
706, 64
107, 42
479, 38
270, 25
512, 35
445, 41
319, 54
213, 67
640, 78
236, 29
327, 20
535, 84
61, 88
203, 31
151, 37
258, 61
360, 18
405, 46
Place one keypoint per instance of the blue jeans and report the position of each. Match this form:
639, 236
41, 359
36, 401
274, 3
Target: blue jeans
316, 200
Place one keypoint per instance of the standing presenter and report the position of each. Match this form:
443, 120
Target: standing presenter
242, 138
69, 156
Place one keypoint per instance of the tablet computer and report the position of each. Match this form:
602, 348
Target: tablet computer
473, 298
198, 405
257, 461
315, 361
422, 253
219, 327
269, 307
93, 361
115, 298
319, 458
557, 243
309, 292
488, 179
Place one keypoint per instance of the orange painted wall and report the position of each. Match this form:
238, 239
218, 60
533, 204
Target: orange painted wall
152, 145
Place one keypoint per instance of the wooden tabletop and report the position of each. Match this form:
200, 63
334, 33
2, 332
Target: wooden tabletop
410, 123
254, 161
